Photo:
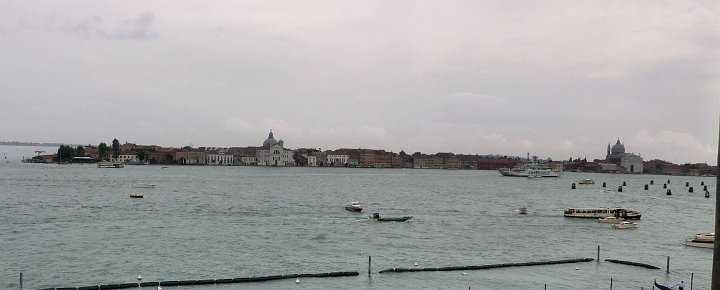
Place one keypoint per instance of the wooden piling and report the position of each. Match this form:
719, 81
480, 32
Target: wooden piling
369, 265
598, 254
610, 283
21, 287
691, 279
668, 265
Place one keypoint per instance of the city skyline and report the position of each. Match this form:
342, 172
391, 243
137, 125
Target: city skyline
558, 80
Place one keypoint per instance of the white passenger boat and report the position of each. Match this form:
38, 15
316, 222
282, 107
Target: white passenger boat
110, 165
601, 212
533, 170
624, 225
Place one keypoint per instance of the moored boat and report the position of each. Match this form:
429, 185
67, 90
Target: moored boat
376, 217
601, 212
354, 207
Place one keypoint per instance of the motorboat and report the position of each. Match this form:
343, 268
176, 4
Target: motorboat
376, 217
602, 212
354, 207
702, 240
624, 225
586, 181
611, 220
522, 210
143, 185
705, 237
136, 195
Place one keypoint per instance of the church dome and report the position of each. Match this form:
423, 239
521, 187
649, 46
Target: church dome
618, 148
270, 141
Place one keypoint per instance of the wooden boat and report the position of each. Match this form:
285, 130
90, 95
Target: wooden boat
376, 217
354, 207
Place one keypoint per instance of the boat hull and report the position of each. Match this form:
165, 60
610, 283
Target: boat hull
353, 208
693, 243
392, 219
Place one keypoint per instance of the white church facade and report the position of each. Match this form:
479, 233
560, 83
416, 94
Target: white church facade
616, 155
273, 153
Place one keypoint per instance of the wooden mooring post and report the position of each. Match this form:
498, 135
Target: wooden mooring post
667, 270
598, 255
691, 279
611, 283
369, 265
21, 287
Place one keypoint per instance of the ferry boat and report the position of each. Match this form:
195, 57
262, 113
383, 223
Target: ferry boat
602, 212
533, 170
110, 165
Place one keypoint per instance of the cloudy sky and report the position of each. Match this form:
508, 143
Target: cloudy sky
557, 79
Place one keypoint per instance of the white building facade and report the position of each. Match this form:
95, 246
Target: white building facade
273, 153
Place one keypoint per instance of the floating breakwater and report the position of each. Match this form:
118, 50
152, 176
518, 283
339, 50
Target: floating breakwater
489, 266
206, 281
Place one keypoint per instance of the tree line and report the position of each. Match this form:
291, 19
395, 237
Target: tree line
66, 153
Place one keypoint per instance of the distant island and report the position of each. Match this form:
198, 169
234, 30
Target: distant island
16, 143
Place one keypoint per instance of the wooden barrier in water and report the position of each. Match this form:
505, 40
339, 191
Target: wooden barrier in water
489, 266
207, 281
631, 263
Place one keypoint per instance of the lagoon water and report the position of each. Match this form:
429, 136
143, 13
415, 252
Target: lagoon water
75, 225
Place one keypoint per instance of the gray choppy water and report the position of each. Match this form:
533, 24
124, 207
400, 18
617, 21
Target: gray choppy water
75, 225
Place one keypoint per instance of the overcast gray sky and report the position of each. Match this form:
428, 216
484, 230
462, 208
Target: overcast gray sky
557, 79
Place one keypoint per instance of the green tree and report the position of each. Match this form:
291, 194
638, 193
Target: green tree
116, 148
65, 153
80, 151
402, 153
169, 158
142, 155
102, 150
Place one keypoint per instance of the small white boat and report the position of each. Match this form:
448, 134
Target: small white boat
611, 220
136, 195
624, 225
586, 181
354, 207
143, 185
702, 240
110, 165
